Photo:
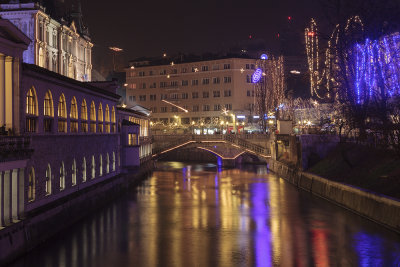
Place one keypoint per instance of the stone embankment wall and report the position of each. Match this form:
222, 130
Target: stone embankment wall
378, 208
47, 221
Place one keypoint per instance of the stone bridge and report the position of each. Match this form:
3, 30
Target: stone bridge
226, 147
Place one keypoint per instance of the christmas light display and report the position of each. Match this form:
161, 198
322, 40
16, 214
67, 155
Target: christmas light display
256, 76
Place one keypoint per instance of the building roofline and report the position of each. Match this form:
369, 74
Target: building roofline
86, 85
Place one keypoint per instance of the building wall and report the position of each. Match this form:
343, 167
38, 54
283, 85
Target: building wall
54, 46
229, 87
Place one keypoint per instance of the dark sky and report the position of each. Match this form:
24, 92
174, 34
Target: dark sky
148, 28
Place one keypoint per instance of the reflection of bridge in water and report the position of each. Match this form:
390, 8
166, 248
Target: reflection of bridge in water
228, 147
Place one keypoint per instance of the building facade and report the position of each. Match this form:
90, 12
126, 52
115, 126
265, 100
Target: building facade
56, 46
58, 136
207, 96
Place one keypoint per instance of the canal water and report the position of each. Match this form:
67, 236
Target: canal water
189, 214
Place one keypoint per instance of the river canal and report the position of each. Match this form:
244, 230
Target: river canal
189, 214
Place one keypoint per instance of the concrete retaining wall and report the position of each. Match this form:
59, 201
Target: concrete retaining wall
42, 223
378, 208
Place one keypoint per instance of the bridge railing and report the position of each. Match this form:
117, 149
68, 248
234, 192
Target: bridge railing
171, 141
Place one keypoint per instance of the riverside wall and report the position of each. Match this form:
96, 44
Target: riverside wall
43, 223
379, 208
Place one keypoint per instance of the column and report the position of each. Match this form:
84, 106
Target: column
1, 200
21, 193
2, 91
9, 92
14, 195
7, 197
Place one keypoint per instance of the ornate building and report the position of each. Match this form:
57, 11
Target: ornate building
57, 45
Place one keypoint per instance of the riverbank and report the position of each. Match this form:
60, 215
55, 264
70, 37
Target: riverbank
42, 224
379, 208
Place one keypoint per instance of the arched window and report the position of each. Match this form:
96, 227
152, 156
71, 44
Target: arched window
48, 104
101, 165
84, 170
113, 161
107, 119
113, 120
92, 117
31, 185
74, 116
62, 114
84, 117
74, 171
62, 176
48, 180
93, 167
100, 118
108, 163
31, 111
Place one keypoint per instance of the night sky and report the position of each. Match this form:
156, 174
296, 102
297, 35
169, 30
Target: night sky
149, 28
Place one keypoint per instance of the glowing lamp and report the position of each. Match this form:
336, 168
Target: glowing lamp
264, 57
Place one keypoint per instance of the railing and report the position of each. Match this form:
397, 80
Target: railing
14, 147
237, 140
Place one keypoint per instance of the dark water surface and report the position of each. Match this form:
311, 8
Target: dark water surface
201, 215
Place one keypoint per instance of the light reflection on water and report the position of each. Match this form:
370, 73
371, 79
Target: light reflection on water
204, 215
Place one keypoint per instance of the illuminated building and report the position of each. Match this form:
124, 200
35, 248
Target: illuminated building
58, 46
207, 95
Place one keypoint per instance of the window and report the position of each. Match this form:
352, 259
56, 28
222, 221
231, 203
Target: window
163, 72
248, 93
93, 167
174, 109
100, 165
185, 83
227, 93
62, 114
164, 96
153, 85
153, 97
174, 71
215, 67
174, 84
216, 80
48, 105
153, 109
206, 108
31, 185
195, 69
151, 73
185, 95
92, 117
163, 109
31, 111
217, 107
141, 73
183, 70
174, 96
195, 82
227, 79
113, 161
142, 86
206, 94
132, 139
108, 163
48, 180
142, 98
195, 108
100, 118
204, 68
84, 117
73, 173
195, 95
107, 119
227, 66
248, 78
113, 120
84, 170
163, 84
74, 116
228, 106
206, 81
216, 93
247, 66
62, 176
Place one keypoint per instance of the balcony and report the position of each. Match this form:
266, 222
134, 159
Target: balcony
15, 148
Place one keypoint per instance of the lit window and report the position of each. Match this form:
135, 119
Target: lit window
74, 171
101, 165
48, 180
84, 170
132, 139
31, 185
62, 176
84, 117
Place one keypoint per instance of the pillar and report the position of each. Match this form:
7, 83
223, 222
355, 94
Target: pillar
21, 193
7, 197
2, 91
1, 200
14, 195
9, 92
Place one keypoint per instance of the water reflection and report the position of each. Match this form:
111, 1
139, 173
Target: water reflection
203, 215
